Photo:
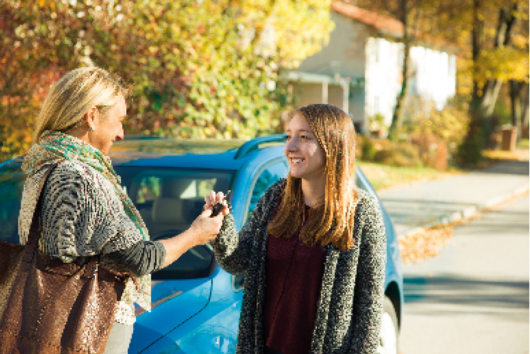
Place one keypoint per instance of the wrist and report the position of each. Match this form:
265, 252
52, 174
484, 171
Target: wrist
191, 236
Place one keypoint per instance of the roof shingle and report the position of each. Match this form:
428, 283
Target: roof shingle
373, 19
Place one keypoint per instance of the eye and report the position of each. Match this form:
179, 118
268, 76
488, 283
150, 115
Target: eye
286, 137
304, 137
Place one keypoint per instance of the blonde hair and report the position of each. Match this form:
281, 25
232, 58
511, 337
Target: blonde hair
330, 222
75, 94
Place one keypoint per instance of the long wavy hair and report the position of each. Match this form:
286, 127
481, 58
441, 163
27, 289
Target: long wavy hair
330, 221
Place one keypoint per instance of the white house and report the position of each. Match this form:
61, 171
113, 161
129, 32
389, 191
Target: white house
360, 70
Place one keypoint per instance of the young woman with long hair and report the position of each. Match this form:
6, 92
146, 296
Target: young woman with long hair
314, 250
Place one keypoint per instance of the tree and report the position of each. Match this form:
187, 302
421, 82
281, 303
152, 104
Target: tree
508, 13
517, 92
197, 68
411, 13
491, 37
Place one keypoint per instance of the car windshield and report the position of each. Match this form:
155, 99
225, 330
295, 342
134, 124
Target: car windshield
169, 199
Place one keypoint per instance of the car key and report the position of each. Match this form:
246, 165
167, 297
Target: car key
218, 206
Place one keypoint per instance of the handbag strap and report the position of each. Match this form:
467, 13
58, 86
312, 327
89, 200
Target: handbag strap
35, 230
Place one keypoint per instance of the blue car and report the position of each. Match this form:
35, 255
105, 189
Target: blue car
195, 303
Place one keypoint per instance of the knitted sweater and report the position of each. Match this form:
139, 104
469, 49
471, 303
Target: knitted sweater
351, 299
81, 216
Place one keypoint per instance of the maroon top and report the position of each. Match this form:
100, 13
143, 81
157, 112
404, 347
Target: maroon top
293, 282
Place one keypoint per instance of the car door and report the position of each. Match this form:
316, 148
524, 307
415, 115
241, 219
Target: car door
169, 199
215, 329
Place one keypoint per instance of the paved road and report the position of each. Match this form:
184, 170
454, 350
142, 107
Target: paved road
473, 298
427, 203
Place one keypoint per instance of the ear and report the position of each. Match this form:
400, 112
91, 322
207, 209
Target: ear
92, 118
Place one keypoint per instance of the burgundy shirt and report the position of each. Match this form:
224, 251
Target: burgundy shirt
293, 282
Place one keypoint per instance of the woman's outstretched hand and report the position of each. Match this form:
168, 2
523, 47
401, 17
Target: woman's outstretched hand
206, 227
203, 230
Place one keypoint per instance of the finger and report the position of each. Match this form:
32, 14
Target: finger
212, 197
225, 210
207, 200
220, 197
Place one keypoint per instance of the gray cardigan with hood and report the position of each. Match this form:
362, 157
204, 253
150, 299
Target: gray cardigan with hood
350, 304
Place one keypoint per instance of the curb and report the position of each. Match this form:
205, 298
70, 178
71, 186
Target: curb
467, 212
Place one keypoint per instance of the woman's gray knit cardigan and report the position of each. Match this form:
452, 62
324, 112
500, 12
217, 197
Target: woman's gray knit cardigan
351, 299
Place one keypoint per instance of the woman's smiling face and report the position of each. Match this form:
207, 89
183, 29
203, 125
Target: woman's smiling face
306, 158
109, 128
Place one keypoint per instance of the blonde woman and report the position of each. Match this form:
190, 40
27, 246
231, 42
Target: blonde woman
85, 212
314, 250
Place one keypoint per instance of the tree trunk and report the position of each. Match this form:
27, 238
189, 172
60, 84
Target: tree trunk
525, 103
503, 37
489, 97
397, 116
476, 39
516, 89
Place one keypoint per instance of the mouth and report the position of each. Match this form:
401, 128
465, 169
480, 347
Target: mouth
296, 161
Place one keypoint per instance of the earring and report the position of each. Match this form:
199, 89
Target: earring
91, 129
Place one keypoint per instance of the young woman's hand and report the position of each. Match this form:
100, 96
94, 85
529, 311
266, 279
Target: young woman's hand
214, 198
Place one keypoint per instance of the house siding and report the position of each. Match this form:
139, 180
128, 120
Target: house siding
374, 62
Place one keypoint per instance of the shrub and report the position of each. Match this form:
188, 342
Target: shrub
447, 127
377, 122
470, 151
402, 154
440, 157
368, 150
432, 150
358, 146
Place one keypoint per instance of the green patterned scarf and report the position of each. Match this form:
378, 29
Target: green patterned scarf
53, 147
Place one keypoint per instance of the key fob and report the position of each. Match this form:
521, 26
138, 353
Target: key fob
217, 209
218, 206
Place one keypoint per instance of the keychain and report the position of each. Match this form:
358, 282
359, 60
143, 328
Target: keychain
219, 206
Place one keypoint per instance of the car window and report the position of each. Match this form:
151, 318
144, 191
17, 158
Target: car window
270, 175
169, 200
11, 185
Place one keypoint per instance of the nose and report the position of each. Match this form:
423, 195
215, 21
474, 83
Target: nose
291, 145
121, 135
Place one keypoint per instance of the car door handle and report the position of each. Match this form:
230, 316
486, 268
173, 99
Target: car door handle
238, 282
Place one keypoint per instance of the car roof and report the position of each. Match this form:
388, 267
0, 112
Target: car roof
227, 154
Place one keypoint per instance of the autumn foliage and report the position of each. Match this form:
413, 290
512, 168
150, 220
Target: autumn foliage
196, 68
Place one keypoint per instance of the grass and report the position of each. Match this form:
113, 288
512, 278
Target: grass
523, 144
384, 176
521, 153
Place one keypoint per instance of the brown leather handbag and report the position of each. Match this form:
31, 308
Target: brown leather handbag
51, 307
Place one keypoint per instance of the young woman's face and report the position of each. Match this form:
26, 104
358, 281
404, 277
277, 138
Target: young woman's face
109, 128
306, 157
